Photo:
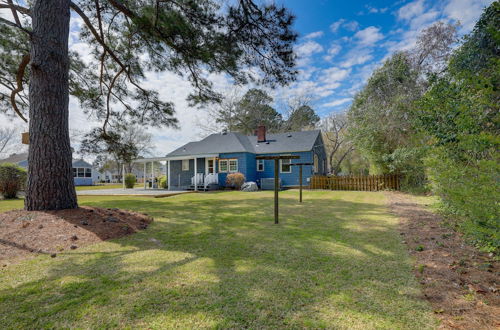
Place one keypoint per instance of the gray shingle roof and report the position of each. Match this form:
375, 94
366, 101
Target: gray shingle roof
236, 142
81, 163
22, 160
285, 142
15, 158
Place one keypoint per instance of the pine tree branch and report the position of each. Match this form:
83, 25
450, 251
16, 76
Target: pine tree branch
14, 13
20, 88
96, 35
88, 23
21, 9
108, 99
7, 22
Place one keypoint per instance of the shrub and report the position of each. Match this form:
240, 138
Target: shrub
129, 181
12, 179
469, 195
235, 180
163, 182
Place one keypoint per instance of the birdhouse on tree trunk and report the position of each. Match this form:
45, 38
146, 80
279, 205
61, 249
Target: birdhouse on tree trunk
25, 138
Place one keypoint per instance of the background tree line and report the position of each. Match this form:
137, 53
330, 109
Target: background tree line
243, 113
431, 114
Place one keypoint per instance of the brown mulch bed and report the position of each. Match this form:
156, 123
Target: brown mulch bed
28, 233
461, 283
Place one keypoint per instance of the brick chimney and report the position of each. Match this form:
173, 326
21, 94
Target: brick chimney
261, 133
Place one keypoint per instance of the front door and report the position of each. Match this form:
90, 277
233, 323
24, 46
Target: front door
210, 166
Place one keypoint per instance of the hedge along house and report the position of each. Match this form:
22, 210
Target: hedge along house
83, 173
205, 164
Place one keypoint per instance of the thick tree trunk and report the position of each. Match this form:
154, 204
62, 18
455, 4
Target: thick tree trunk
50, 177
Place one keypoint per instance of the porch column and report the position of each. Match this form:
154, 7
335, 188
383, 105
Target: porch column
144, 176
152, 174
168, 174
195, 174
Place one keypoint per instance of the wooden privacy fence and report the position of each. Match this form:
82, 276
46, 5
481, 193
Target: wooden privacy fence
363, 183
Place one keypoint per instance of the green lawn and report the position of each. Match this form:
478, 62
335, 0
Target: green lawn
216, 260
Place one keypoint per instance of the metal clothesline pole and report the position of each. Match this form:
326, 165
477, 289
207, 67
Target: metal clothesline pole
276, 180
300, 177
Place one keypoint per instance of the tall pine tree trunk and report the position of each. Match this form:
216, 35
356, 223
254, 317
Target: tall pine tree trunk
50, 177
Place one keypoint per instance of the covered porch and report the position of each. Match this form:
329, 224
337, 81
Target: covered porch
193, 172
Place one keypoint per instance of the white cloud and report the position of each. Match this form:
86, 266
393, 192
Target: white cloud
369, 36
348, 25
411, 10
338, 102
423, 20
334, 27
351, 26
334, 75
374, 10
308, 48
466, 11
314, 35
305, 51
306, 72
332, 52
357, 60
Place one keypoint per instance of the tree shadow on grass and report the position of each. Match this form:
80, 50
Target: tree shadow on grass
218, 262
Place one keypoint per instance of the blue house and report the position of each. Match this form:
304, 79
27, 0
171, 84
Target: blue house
207, 163
82, 171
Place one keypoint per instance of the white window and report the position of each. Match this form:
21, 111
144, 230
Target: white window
88, 172
74, 172
285, 166
233, 165
316, 163
185, 164
81, 172
260, 165
223, 165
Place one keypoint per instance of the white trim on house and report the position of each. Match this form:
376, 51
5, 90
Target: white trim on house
86, 172
229, 166
191, 157
263, 163
159, 159
207, 159
289, 162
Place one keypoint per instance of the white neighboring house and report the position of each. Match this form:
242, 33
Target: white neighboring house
83, 173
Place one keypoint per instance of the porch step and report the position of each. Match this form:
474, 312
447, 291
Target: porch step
200, 188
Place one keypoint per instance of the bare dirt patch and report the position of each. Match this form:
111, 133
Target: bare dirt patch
28, 233
461, 283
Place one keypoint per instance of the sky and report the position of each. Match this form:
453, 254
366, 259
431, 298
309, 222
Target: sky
340, 44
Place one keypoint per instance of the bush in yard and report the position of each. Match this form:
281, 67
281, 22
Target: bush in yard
469, 195
163, 182
235, 180
129, 181
12, 179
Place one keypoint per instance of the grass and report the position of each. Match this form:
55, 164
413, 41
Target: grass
216, 260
